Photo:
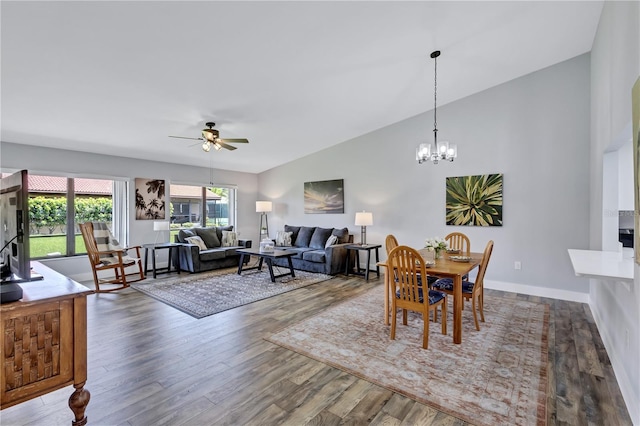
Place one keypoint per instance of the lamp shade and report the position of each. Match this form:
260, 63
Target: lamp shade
263, 206
161, 226
364, 218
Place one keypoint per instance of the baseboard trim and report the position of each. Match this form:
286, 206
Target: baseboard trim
552, 293
632, 401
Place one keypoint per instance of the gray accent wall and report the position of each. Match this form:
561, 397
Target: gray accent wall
534, 130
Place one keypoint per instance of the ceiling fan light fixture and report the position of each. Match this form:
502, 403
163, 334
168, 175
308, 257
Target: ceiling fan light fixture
211, 138
210, 134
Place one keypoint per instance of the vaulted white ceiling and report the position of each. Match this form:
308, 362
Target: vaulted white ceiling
292, 77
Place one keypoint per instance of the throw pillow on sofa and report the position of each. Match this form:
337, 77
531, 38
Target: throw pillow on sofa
220, 229
197, 241
209, 236
294, 232
283, 239
320, 237
229, 239
342, 234
304, 236
183, 234
331, 241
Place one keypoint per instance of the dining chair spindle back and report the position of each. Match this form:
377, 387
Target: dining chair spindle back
390, 243
408, 268
459, 241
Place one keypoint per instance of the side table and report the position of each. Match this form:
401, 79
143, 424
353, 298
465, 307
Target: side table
173, 251
368, 248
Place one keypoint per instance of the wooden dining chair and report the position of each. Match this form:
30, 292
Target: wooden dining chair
459, 241
390, 243
409, 294
112, 261
473, 291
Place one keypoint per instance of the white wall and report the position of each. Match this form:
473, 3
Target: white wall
615, 66
534, 129
73, 163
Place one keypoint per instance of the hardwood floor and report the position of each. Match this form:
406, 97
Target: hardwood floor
150, 364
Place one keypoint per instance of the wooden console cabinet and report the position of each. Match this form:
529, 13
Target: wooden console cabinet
44, 342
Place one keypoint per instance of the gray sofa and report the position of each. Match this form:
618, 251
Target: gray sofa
311, 254
192, 258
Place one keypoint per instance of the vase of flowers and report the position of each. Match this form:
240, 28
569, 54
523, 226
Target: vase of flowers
437, 244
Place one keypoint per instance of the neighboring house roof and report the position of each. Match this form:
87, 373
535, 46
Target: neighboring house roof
187, 191
57, 185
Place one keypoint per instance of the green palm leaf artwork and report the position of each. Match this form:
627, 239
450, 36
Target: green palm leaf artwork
474, 200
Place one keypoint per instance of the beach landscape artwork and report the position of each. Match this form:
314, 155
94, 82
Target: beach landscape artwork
324, 197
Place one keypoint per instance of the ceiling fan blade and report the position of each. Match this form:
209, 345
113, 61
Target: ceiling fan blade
234, 140
225, 146
185, 137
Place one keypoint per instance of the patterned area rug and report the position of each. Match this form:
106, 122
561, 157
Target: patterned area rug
497, 376
208, 293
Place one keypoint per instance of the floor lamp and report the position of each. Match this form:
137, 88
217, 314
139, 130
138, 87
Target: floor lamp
263, 207
364, 219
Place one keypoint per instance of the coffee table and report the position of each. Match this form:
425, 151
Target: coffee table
268, 257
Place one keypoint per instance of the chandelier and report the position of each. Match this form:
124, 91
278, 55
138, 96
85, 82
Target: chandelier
440, 150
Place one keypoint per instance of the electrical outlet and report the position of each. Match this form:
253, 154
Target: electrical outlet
517, 265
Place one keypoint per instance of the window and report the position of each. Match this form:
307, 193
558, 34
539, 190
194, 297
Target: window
57, 205
201, 206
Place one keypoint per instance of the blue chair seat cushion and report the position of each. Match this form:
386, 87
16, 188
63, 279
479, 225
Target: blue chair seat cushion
434, 296
447, 284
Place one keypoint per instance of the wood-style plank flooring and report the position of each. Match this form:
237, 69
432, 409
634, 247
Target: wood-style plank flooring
150, 364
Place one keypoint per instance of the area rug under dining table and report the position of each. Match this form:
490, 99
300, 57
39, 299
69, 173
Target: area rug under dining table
498, 375
208, 293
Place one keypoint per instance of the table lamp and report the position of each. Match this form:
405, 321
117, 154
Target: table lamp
364, 219
263, 207
160, 227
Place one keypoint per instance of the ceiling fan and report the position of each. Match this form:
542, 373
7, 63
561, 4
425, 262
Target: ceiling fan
211, 138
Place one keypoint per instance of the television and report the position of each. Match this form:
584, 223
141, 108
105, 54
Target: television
15, 263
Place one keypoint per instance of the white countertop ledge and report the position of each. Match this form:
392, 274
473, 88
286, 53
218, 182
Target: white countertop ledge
608, 265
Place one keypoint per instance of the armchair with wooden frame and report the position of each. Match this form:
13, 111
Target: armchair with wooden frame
111, 261
407, 266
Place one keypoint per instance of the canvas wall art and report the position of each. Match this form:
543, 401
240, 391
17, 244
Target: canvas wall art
324, 197
474, 200
150, 202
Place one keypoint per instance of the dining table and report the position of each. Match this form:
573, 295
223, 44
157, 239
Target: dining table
444, 267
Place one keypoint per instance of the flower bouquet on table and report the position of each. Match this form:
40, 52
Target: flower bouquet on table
437, 244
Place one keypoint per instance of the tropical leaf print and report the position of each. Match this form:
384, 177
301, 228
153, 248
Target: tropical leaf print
474, 200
